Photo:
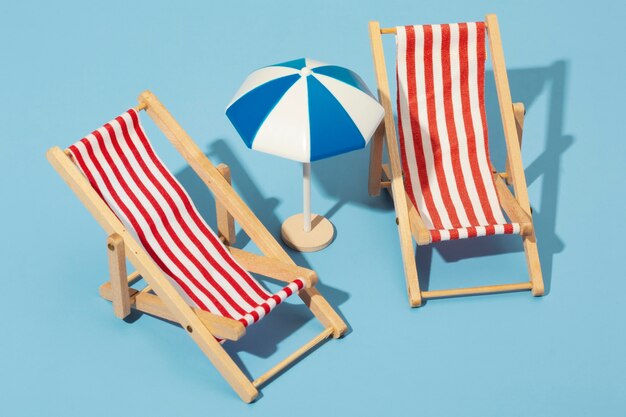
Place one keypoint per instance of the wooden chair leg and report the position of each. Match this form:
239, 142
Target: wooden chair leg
119, 279
225, 221
376, 160
406, 246
519, 111
534, 266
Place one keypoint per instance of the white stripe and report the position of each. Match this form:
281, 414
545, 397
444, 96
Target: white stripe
153, 216
463, 233
176, 230
457, 105
311, 63
260, 77
142, 222
444, 139
108, 197
424, 127
203, 240
151, 211
485, 169
285, 131
364, 110
409, 144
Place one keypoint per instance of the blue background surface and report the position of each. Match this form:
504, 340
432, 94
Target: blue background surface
67, 68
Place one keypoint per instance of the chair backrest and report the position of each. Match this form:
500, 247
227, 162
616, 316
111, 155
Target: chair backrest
443, 126
122, 166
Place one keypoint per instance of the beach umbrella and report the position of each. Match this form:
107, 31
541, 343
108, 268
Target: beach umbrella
305, 110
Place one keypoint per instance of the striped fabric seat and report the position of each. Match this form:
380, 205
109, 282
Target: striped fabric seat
443, 130
121, 165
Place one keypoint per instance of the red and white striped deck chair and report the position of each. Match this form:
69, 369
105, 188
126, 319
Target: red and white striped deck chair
193, 276
443, 183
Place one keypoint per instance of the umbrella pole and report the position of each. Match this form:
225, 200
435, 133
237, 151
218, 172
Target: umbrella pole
297, 231
306, 190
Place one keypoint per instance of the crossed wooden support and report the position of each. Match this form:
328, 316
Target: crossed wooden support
159, 297
410, 225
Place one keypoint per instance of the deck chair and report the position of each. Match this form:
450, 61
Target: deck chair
443, 184
194, 277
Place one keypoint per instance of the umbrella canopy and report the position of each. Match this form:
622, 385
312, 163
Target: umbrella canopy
304, 110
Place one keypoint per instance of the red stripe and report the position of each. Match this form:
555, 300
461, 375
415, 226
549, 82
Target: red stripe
420, 159
451, 126
435, 137
179, 219
480, 64
454, 234
435, 236
255, 315
146, 197
408, 183
131, 218
192, 211
77, 157
469, 126
161, 215
143, 212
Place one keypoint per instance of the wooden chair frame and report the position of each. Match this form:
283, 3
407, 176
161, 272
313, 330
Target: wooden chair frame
516, 205
160, 298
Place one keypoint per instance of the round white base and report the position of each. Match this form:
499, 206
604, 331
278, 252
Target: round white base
320, 236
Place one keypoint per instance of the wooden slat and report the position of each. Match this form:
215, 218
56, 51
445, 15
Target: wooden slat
118, 276
420, 232
236, 207
397, 186
183, 314
388, 31
514, 157
273, 268
516, 169
144, 301
512, 208
225, 222
519, 112
487, 289
376, 160
133, 277
293, 357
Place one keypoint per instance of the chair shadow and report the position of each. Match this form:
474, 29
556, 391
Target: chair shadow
262, 338
527, 85
345, 177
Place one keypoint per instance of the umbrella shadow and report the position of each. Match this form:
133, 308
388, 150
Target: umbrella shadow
527, 85
344, 179
262, 338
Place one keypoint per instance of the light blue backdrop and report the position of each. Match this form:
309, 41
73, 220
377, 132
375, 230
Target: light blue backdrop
66, 68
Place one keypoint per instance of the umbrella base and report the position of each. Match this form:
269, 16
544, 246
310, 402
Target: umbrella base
321, 234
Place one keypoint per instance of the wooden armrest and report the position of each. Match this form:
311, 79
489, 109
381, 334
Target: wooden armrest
512, 208
225, 221
420, 232
273, 268
220, 327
